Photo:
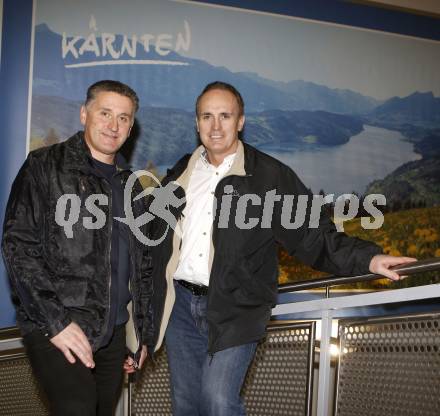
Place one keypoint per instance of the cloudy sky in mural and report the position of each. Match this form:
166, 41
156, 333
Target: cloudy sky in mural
319, 52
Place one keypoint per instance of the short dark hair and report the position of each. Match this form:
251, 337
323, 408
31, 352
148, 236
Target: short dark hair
109, 85
219, 85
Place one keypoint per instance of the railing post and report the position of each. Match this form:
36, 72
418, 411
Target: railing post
324, 364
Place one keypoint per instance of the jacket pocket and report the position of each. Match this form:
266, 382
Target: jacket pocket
256, 277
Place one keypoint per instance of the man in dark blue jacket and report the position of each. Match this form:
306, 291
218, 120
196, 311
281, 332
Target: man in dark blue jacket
215, 276
78, 274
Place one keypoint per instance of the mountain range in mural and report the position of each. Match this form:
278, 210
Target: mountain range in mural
291, 115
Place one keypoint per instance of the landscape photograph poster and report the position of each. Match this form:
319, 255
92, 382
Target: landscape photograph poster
350, 110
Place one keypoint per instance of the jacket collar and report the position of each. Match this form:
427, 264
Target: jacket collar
78, 156
183, 179
237, 168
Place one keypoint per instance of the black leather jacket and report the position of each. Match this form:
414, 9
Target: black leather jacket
243, 284
56, 279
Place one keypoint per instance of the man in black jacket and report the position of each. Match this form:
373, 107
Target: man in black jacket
215, 276
78, 275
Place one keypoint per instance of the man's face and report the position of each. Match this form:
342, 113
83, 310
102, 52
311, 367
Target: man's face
107, 122
218, 123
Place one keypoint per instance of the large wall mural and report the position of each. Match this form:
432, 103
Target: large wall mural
350, 110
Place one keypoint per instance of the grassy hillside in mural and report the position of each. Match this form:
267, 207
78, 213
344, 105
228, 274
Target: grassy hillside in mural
414, 183
412, 232
417, 117
418, 109
282, 130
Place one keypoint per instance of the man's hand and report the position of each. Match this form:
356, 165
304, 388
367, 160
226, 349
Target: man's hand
381, 263
129, 364
72, 340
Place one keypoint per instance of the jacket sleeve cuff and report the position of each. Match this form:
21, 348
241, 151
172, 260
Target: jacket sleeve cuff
366, 260
55, 327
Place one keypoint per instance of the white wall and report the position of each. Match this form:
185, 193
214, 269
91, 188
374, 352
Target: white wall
427, 6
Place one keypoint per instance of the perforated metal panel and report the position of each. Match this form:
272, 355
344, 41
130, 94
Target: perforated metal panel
390, 367
278, 382
150, 395
19, 394
280, 378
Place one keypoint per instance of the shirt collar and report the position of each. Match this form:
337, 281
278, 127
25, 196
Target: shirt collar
228, 160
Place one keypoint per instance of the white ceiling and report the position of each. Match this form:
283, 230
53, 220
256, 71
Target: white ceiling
430, 7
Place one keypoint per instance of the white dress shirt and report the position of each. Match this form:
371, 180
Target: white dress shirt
197, 220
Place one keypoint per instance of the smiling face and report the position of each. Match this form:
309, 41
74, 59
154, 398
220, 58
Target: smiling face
107, 121
218, 122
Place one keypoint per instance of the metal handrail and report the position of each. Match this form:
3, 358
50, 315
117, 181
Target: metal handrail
325, 282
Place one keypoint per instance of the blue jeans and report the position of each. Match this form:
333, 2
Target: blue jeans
202, 385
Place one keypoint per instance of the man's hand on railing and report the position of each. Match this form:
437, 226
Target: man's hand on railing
381, 263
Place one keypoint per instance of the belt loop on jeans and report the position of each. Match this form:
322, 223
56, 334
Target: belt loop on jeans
196, 290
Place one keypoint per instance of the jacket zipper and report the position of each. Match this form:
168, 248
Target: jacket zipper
210, 340
133, 303
109, 279
171, 251
136, 356
156, 336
